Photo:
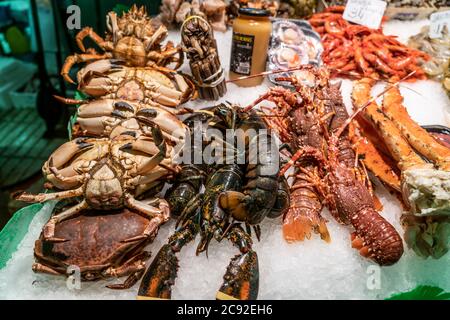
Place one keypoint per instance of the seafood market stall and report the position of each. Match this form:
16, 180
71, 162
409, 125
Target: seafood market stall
388, 233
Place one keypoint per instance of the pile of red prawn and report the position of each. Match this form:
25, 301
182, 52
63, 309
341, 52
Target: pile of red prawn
357, 51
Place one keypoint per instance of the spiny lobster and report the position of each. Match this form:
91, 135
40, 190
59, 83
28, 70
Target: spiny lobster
336, 179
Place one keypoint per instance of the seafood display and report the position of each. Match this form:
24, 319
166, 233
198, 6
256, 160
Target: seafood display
130, 38
345, 162
201, 49
236, 198
357, 51
332, 174
424, 184
438, 49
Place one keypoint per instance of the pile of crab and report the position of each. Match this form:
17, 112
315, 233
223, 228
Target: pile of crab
120, 155
127, 143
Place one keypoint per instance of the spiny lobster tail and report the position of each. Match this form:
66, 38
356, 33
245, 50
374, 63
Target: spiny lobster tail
386, 249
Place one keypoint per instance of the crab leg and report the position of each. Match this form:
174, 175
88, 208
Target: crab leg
157, 215
105, 107
65, 100
88, 32
418, 137
49, 228
373, 160
38, 267
133, 268
159, 34
173, 129
68, 150
162, 94
42, 197
78, 58
101, 66
397, 145
111, 22
144, 145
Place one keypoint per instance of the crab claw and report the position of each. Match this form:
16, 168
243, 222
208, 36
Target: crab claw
241, 281
68, 150
102, 66
160, 275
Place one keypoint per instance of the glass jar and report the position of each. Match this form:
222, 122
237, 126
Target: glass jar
250, 43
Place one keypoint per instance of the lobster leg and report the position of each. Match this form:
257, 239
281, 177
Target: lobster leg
162, 272
241, 280
306, 151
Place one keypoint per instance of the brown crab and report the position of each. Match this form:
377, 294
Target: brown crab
97, 246
132, 38
107, 174
113, 117
154, 86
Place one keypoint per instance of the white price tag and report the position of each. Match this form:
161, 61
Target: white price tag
437, 22
365, 12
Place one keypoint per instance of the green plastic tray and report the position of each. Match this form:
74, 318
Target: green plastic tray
14, 231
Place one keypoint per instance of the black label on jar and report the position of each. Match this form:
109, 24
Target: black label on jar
241, 53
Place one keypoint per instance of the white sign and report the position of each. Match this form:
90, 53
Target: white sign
437, 22
365, 12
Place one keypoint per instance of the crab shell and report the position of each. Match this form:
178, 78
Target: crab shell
106, 79
95, 245
73, 161
112, 117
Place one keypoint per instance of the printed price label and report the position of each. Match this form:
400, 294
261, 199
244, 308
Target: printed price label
437, 22
365, 12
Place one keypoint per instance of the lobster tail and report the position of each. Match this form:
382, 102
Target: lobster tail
303, 216
379, 239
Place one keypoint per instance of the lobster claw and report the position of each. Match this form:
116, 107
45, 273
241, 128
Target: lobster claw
234, 203
241, 281
160, 276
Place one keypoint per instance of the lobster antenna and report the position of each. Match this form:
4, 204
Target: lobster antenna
389, 87
261, 74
